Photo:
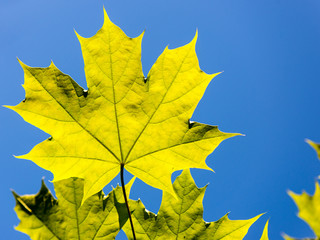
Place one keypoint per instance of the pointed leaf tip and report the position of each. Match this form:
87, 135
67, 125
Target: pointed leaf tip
264, 235
80, 38
315, 146
52, 64
15, 195
22, 64
106, 20
195, 38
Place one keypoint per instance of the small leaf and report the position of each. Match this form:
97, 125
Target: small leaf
43, 217
182, 218
309, 208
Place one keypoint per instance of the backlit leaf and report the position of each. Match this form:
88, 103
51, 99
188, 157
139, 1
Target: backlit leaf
43, 217
182, 218
309, 208
123, 118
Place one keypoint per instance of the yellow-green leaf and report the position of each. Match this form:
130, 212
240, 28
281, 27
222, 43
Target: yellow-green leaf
309, 208
123, 118
264, 235
182, 218
316, 146
227, 229
43, 217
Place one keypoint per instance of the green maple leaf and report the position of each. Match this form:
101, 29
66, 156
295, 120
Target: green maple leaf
182, 218
123, 118
99, 217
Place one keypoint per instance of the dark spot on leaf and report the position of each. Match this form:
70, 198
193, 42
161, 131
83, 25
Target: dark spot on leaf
50, 138
132, 108
145, 80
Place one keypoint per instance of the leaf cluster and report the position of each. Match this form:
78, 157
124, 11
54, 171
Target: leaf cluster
123, 120
102, 217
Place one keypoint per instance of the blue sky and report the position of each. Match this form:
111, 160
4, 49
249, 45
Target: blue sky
269, 91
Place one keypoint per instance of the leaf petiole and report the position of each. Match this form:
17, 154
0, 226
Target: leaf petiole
125, 199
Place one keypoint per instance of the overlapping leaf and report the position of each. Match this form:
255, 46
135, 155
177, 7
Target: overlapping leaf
182, 218
123, 118
43, 217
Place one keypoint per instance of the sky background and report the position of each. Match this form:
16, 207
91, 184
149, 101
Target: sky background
269, 91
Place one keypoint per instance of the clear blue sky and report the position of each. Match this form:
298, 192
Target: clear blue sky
269, 91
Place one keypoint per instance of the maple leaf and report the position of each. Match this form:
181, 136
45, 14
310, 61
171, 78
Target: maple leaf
123, 118
309, 206
309, 209
43, 217
182, 218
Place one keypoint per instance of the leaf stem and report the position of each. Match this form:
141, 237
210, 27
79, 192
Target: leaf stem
125, 199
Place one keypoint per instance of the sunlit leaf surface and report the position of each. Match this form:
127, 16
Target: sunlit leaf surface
123, 118
182, 218
44, 217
